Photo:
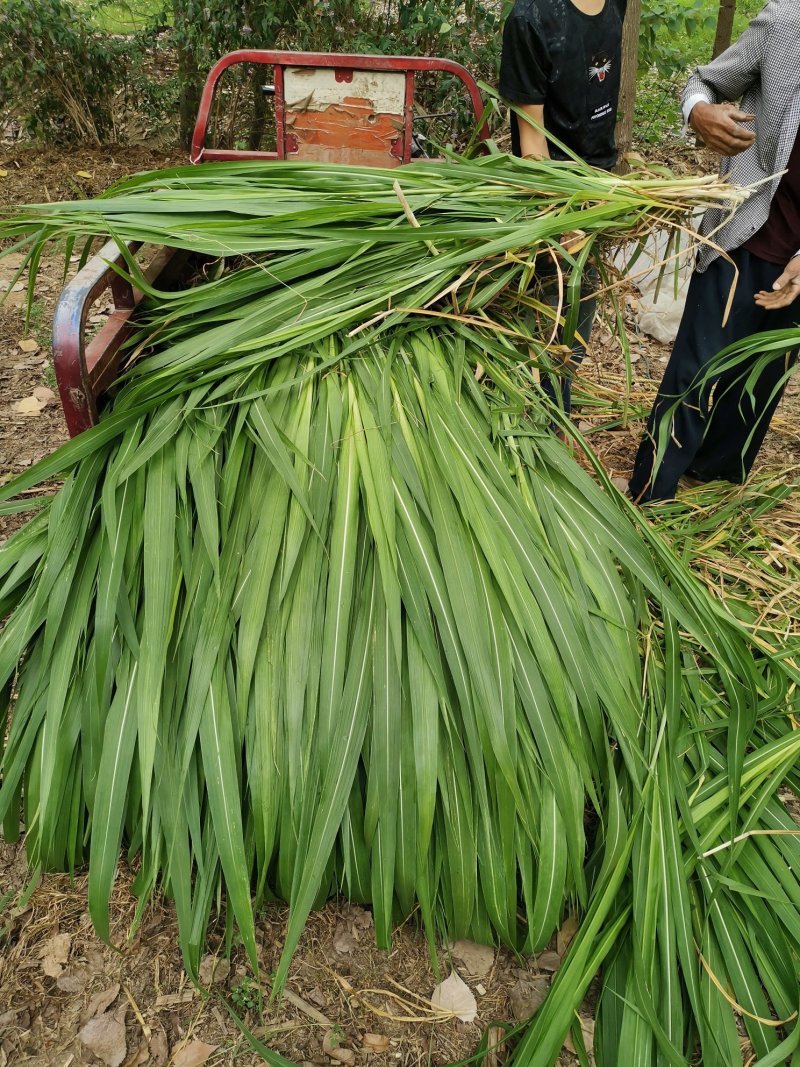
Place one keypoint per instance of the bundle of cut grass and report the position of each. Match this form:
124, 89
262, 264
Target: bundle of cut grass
742, 542
316, 612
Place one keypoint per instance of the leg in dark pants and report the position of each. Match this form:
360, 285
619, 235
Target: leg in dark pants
722, 446
739, 422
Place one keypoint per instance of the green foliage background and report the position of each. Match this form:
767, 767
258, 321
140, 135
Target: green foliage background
676, 36
70, 68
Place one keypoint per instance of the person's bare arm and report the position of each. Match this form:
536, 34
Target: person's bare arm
533, 145
532, 142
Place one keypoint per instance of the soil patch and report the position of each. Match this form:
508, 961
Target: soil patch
38, 175
55, 975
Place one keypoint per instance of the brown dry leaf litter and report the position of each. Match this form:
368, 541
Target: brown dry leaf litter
454, 997
476, 960
42, 1021
54, 954
192, 1054
104, 1037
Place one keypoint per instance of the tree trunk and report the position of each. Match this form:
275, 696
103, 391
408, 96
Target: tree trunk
627, 92
722, 38
190, 78
190, 91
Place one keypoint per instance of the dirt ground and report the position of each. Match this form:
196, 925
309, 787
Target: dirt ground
58, 981
55, 975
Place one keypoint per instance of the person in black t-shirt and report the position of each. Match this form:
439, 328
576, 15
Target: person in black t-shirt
561, 65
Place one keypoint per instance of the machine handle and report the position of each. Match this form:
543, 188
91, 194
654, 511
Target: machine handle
84, 371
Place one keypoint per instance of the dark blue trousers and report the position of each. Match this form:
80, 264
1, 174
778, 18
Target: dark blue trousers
717, 430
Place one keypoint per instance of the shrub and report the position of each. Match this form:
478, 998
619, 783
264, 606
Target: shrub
470, 33
57, 74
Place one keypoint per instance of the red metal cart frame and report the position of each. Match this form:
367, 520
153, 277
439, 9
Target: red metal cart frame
366, 133
344, 67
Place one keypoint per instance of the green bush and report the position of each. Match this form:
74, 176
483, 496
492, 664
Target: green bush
67, 78
667, 27
203, 30
58, 75
675, 37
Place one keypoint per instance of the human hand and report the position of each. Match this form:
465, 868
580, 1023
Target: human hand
718, 125
784, 289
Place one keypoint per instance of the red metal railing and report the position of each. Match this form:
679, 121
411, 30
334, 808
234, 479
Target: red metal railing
344, 66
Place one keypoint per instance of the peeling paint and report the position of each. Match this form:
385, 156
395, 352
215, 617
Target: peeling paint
385, 90
356, 121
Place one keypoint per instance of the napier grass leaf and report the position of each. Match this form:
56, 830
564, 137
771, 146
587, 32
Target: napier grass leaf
315, 611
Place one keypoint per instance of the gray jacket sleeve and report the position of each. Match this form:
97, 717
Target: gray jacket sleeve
732, 73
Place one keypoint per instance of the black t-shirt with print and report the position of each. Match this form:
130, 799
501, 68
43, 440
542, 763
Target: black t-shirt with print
556, 55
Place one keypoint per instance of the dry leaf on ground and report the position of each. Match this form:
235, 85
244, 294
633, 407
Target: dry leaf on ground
214, 970
477, 959
72, 983
41, 392
28, 345
375, 1042
29, 406
587, 1031
192, 1054
455, 996
159, 1049
360, 917
568, 930
332, 1048
54, 954
549, 961
140, 1057
343, 941
527, 997
104, 1036
100, 1001
316, 996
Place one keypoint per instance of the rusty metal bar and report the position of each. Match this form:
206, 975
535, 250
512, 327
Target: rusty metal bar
83, 370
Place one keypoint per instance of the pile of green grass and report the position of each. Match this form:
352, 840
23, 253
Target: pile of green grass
316, 611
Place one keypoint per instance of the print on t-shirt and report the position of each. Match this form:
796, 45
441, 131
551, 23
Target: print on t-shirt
600, 66
599, 72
